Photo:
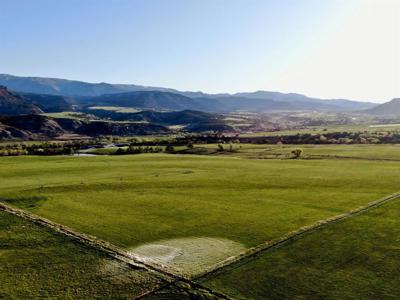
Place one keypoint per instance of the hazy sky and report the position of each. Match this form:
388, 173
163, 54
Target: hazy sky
322, 48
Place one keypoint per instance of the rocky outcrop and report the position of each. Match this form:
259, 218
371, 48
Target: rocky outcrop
12, 104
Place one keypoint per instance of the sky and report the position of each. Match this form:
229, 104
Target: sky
322, 48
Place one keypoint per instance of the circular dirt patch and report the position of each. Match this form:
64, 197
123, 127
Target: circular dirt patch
188, 256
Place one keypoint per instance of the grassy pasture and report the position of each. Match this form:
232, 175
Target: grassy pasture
383, 152
117, 109
102, 151
36, 263
132, 200
329, 128
358, 258
254, 151
67, 115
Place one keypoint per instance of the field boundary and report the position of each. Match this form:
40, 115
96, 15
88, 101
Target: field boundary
112, 251
289, 237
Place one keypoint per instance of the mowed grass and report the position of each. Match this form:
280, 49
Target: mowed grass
131, 200
36, 263
358, 258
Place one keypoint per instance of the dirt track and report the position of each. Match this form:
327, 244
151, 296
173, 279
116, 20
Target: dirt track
112, 251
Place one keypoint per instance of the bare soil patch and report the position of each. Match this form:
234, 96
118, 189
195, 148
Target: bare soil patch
187, 256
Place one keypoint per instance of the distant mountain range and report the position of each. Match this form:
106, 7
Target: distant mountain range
64, 87
21, 116
106, 109
129, 95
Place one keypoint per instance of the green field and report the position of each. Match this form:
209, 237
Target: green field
156, 200
358, 258
256, 151
36, 263
67, 115
329, 128
117, 109
359, 151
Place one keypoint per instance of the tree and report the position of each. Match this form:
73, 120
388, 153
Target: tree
220, 148
70, 151
119, 151
297, 153
131, 149
169, 149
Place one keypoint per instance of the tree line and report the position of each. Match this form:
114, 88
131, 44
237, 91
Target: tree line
167, 144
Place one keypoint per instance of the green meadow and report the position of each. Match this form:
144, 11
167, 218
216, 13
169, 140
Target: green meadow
189, 212
329, 129
356, 151
358, 258
36, 263
132, 200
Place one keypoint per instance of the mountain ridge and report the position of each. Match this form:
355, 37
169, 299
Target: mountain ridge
15, 104
73, 88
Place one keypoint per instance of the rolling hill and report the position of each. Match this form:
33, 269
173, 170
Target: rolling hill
49, 103
188, 120
156, 100
166, 118
389, 108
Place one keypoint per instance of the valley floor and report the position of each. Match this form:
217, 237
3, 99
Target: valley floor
164, 209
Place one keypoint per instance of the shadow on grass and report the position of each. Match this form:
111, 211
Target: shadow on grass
24, 202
